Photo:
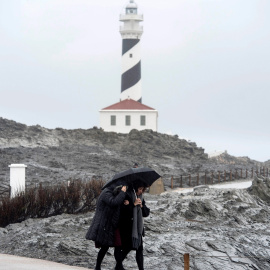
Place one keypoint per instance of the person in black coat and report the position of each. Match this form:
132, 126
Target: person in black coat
104, 227
131, 222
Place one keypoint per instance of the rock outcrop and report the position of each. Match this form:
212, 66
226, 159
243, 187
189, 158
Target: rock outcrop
54, 155
227, 159
267, 163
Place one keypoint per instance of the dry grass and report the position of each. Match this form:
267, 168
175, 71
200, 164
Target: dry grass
44, 201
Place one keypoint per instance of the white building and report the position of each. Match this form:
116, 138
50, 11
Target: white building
130, 113
126, 115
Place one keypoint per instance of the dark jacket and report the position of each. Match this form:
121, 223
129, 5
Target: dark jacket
126, 220
106, 218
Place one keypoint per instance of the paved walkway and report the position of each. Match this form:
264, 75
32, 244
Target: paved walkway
10, 262
237, 184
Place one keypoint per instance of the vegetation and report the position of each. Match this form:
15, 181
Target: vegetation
44, 201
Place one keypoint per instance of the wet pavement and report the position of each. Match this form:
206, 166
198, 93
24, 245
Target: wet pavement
10, 262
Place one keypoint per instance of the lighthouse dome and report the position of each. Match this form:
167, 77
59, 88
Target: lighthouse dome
131, 4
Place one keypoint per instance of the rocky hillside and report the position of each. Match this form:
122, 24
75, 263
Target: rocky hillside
226, 161
59, 154
267, 163
55, 155
219, 228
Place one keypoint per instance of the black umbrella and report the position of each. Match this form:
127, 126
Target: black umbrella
146, 175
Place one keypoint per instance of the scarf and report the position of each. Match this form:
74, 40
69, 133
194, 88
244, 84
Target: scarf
137, 226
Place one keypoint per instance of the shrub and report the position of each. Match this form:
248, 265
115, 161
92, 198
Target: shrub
41, 202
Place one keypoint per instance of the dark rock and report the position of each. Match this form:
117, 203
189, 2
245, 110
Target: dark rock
261, 187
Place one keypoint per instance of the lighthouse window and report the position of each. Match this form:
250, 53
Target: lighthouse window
130, 55
128, 120
131, 10
113, 120
143, 120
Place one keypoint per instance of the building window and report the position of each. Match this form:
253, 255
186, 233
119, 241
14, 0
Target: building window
143, 120
128, 120
130, 56
113, 120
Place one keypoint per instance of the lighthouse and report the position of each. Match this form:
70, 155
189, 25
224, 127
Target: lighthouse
130, 113
131, 32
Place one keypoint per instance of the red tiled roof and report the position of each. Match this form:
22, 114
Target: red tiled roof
128, 104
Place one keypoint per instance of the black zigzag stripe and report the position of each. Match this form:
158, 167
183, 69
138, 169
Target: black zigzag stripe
131, 77
128, 44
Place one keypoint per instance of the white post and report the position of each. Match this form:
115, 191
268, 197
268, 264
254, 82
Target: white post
17, 179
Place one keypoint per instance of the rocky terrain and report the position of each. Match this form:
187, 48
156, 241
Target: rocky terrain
56, 155
220, 229
267, 163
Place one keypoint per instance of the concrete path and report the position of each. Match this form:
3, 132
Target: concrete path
10, 262
237, 184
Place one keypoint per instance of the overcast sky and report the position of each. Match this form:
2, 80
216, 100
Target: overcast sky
205, 67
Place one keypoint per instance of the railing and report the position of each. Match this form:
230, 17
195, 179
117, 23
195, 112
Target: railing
205, 178
131, 16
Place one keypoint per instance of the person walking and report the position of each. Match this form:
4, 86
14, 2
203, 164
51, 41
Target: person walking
131, 222
104, 229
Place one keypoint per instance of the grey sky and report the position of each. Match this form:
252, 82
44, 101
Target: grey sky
205, 67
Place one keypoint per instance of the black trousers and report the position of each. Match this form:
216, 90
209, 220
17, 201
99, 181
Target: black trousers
139, 256
117, 255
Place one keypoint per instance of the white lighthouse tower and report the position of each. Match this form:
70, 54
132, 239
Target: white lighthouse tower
130, 113
131, 32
